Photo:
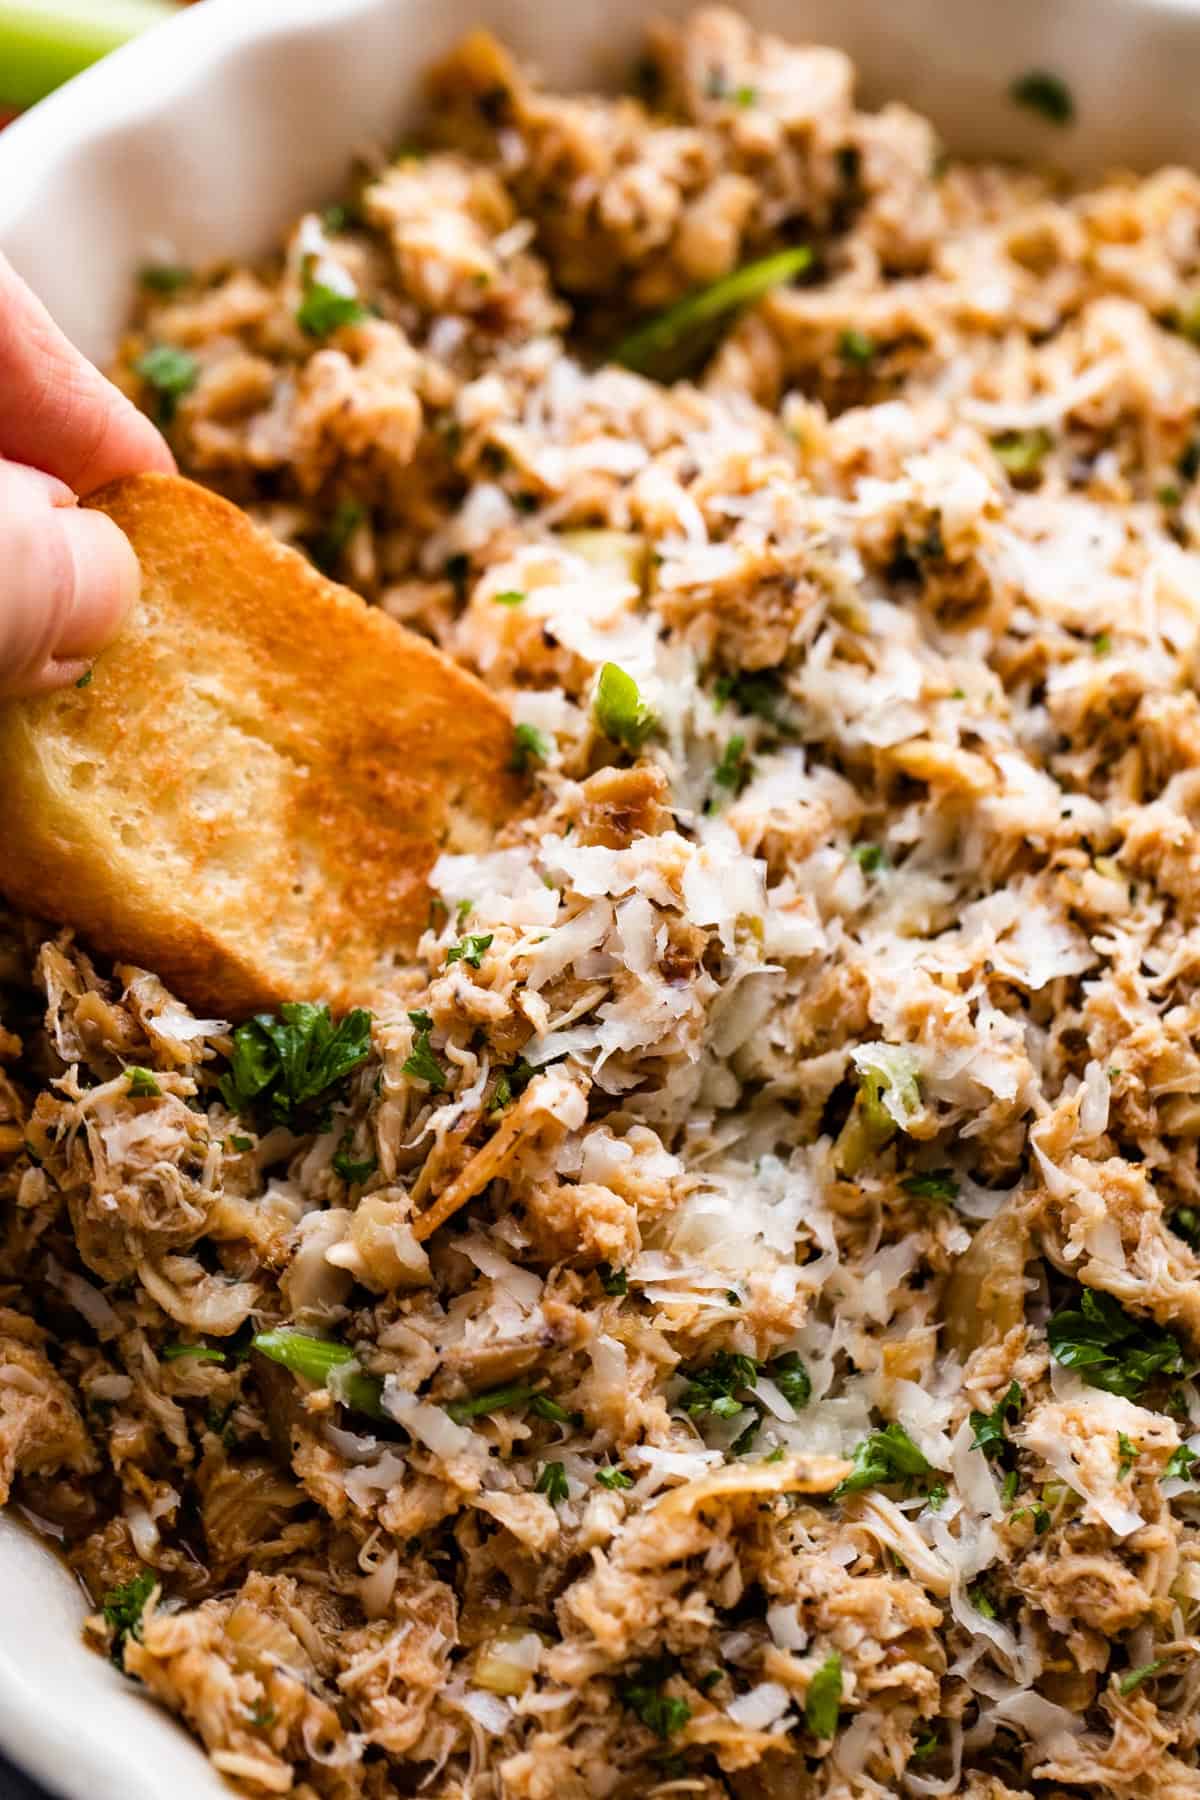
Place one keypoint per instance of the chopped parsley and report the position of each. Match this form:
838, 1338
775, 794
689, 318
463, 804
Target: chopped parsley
791, 1378
552, 1481
123, 1608
714, 1389
289, 1066
421, 1063
1181, 1465
984, 1605
340, 527
323, 310
988, 1427
513, 1081
618, 708
926, 1746
1133, 1678
478, 1406
735, 767
883, 1459
85, 680
613, 1281
1022, 453
1127, 1454
676, 341
935, 1499
529, 746
142, 1085
642, 1692
1041, 91
614, 1478
932, 1184
757, 693
869, 857
349, 1168
1102, 643
470, 950
510, 597
164, 278
171, 372
196, 1353
857, 348
1111, 1348
1185, 1223
241, 1143
824, 1697
339, 215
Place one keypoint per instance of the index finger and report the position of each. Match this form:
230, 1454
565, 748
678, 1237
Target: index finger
57, 412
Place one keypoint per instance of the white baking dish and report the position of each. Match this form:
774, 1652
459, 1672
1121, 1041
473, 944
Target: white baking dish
203, 140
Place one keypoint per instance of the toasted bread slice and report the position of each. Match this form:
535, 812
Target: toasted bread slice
249, 793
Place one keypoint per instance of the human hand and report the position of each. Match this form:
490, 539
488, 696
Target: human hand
67, 575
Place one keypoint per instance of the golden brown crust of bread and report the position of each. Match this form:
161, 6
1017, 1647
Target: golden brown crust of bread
248, 795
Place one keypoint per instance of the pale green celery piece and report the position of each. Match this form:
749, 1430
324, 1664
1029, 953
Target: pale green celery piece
317, 1359
44, 42
889, 1093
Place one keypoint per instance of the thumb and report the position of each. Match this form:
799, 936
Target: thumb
67, 579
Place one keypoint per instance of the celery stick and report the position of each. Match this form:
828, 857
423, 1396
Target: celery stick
44, 42
316, 1358
665, 345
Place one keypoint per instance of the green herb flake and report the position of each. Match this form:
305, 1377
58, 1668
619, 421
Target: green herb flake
758, 693
470, 950
857, 348
926, 1746
735, 767
1127, 1455
142, 1085
642, 1692
323, 310
340, 527
164, 278
1169, 495
1022, 453
1112, 1349
988, 1427
290, 1066
552, 1481
123, 1608
869, 857
673, 342
1133, 1678
85, 680
478, 1406
1180, 1465
984, 1605
824, 1697
421, 1063
171, 372
1102, 643
193, 1352
935, 1499
714, 1388
510, 597
884, 1459
1043, 92
529, 747
241, 1143
614, 1478
613, 1281
618, 708
932, 1184
349, 1168
791, 1378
